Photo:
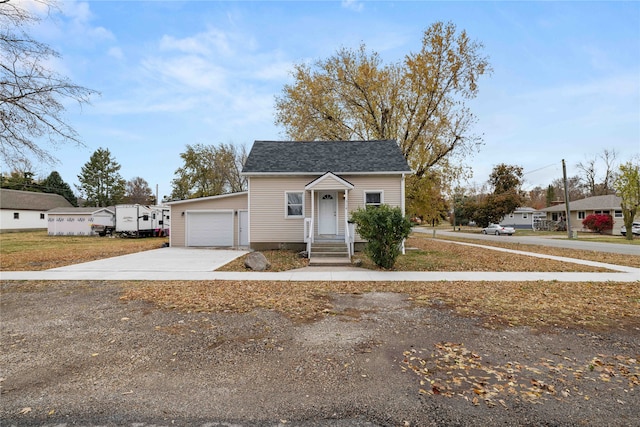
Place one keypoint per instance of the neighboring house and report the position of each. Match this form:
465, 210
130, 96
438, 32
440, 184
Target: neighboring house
79, 221
27, 210
299, 193
523, 218
580, 209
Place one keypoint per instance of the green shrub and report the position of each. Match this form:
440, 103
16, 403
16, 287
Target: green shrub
384, 228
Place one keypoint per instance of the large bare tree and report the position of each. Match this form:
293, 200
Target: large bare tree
32, 94
599, 184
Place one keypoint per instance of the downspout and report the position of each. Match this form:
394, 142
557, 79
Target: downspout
313, 216
402, 204
248, 212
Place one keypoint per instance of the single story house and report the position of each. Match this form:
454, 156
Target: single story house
580, 209
523, 218
27, 210
299, 194
79, 221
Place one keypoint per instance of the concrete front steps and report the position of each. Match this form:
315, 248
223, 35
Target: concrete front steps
329, 254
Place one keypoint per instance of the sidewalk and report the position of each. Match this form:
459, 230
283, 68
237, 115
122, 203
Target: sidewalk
199, 264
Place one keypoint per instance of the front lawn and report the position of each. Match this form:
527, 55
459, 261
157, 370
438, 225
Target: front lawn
36, 250
426, 254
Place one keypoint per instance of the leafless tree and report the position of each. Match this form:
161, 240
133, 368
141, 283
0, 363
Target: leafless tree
31, 94
596, 184
137, 190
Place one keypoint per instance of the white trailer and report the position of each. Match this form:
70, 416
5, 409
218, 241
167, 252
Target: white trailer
80, 221
142, 221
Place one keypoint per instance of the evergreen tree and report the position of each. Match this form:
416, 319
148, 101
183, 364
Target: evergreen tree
55, 184
101, 184
19, 180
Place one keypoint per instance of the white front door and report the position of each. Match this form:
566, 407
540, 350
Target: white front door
327, 213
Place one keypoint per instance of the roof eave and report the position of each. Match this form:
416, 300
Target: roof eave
322, 173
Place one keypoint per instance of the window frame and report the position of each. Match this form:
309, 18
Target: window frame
16, 215
582, 214
367, 192
286, 205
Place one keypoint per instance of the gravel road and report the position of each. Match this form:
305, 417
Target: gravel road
73, 353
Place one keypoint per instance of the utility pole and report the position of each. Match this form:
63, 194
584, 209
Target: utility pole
566, 199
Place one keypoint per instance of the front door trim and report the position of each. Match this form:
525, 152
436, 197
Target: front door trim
327, 213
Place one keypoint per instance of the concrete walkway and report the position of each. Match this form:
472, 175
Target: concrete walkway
199, 264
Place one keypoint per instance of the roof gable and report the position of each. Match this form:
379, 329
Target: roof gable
318, 157
30, 200
336, 180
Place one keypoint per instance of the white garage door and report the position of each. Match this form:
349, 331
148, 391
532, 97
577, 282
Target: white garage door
209, 228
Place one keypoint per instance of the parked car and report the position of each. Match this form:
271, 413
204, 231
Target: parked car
497, 229
635, 229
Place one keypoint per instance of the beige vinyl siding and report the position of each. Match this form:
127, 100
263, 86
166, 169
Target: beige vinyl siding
389, 185
267, 220
178, 232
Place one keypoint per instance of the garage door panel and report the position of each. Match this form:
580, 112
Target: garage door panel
209, 228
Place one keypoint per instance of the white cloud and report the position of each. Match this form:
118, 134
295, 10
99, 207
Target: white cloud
207, 43
277, 70
187, 72
116, 53
353, 5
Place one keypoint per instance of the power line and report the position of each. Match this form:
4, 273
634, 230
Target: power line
539, 169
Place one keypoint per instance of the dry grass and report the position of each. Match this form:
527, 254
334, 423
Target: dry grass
610, 258
34, 251
440, 255
428, 254
282, 260
594, 306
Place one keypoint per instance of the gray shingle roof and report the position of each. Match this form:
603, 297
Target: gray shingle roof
609, 202
318, 157
81, 210
30, 200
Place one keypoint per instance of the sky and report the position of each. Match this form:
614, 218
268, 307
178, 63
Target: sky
565, 81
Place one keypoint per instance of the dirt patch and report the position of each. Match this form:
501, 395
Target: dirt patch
76, 353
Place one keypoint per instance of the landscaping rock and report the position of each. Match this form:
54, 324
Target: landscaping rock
256, 261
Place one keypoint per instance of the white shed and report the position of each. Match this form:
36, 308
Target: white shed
79, 221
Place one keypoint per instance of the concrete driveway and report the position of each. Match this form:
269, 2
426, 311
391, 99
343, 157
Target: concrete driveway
160, 260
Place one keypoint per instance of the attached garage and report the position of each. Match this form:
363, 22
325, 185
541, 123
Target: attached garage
209, 228
215, 221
